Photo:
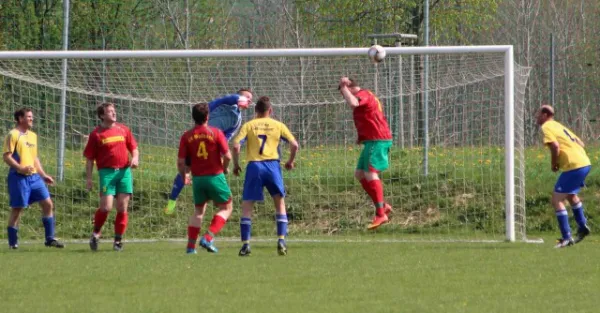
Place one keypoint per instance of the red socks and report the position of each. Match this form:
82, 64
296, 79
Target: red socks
120, 224
99, 220
215, 227
192, 236
365, 184
374, 189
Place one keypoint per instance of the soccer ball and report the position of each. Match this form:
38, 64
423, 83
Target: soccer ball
376, 53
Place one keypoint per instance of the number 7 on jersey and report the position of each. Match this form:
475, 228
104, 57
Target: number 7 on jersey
263, 139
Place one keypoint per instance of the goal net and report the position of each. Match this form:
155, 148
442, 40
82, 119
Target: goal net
455, 172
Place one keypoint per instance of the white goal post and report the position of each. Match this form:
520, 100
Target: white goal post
29, 73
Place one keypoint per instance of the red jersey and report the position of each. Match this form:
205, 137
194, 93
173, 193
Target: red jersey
110, 147
369, 119
204, 145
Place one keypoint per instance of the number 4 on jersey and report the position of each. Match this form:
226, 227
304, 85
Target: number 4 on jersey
202, 153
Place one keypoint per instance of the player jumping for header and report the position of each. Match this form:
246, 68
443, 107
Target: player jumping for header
374, 133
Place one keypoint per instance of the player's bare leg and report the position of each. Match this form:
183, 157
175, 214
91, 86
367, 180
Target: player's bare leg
13, 227
583, 229
194, 224
563, 220
48, 220
121, 220
281, 218
106, 203
246, 227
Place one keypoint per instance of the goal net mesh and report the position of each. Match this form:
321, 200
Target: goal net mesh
462, 196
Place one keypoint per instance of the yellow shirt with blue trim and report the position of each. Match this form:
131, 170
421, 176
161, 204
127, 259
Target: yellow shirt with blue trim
22, 147
571, 155
263, 136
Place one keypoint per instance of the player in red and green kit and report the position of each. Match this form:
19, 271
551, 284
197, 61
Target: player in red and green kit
109, 145
374, 133
207, 150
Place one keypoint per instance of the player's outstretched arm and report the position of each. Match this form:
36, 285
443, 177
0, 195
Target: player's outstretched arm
226, 160
89, 167
293, 150
8, 159
135, 159
236, 159
554, 152
38, 166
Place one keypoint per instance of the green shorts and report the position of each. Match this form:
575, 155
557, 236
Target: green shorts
210, 187
374, 156
114, 181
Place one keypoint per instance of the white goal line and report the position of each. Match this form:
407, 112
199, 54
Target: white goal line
304, 240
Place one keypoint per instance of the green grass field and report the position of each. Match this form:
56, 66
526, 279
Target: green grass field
314, 277
373, 275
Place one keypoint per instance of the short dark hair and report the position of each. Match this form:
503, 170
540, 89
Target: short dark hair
21, 113
244, 89
262, 105
100, 109
200, 113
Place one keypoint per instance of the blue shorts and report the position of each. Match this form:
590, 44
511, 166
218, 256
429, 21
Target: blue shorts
263, 174
24, 190
570, 182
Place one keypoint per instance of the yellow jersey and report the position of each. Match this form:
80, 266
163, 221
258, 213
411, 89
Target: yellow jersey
22, 147
263, 136
571, 155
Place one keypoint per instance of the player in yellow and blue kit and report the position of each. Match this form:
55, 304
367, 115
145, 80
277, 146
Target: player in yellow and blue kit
263, 135
568, 155
26, 179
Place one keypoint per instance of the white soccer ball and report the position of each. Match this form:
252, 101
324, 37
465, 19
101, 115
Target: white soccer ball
376, 53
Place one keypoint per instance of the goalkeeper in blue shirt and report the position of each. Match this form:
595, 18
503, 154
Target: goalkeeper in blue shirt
226, 115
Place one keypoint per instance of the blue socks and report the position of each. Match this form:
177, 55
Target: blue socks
578, 214
563, 224
178, 185
48, 227
282, 222
245, 228
12, 235
48, 222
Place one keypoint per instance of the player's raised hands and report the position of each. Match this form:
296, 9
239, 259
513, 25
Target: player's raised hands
237, 170
344, 81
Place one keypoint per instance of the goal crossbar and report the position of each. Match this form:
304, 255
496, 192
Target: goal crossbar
137, 54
